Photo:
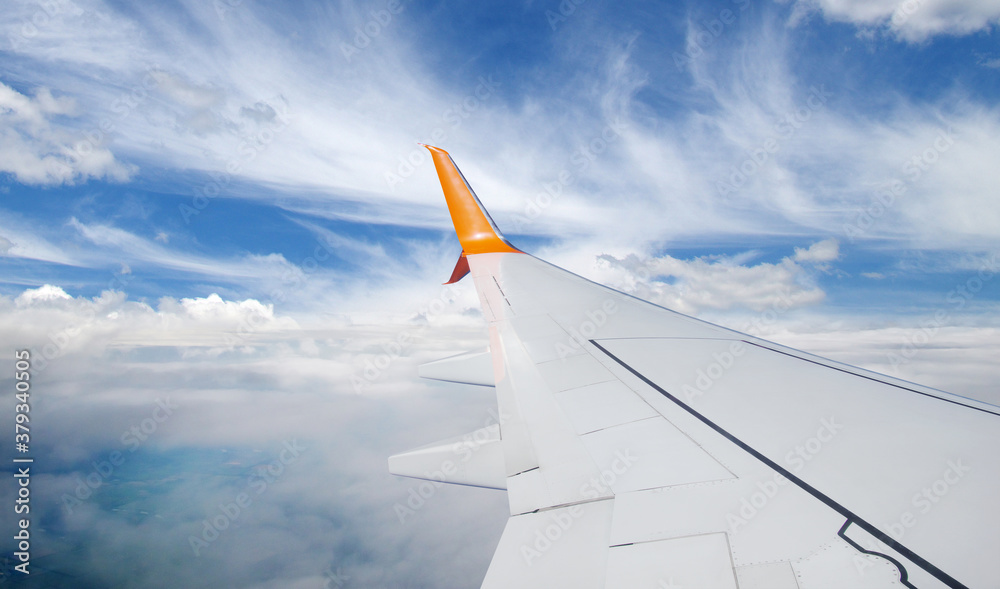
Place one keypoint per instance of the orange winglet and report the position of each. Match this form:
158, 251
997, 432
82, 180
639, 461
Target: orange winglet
473, 224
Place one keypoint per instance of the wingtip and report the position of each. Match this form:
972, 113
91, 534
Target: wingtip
434, 149
473, 225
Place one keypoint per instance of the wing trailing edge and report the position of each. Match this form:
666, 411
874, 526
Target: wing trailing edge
475, 460
474, 368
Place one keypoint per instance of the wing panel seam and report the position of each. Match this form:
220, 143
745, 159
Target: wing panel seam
872, 378
826, 500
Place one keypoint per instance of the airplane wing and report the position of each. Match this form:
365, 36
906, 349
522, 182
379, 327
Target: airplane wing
640, 447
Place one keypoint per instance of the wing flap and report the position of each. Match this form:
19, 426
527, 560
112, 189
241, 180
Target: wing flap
467, 368
559, 468
602, 405
698, 562
564, 547
475, 460
650, 454
775, 575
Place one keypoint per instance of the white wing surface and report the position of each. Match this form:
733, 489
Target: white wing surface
644, 448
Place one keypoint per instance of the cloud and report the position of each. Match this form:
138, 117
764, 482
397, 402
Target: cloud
213, 307
44, 293
37, 148
747, 148
235, 106
911, 20
126, 245
948, 355
59, 319
239, 389
827, 250
34, 112
789, 157
718, 282
234, 407
602, 147
31, 240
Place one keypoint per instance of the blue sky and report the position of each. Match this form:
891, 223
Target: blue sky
225, 203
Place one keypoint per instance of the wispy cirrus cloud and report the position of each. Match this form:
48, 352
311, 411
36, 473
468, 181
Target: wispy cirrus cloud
751, 148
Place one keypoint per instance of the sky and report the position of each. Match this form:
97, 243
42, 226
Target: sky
224, 248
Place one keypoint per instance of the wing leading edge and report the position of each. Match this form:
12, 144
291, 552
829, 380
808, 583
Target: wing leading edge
642, 447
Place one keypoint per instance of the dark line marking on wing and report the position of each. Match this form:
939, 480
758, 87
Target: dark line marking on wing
903, 576
850, 515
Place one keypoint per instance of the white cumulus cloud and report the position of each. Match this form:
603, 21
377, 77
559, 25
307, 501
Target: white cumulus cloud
37, 148
43, 293
827, 250
911, 20
718, 282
